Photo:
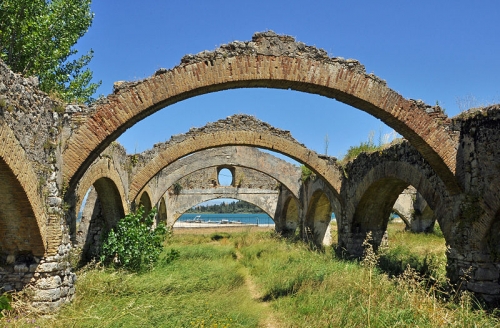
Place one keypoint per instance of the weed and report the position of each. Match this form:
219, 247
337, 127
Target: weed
370, 260
59, 109
5, 300
177, 188
134, 159
306, 173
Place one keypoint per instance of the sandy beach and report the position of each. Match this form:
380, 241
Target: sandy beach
206, 228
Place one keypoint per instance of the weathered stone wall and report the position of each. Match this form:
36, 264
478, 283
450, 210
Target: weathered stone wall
31, 130
373, 182
475, 246
242, 178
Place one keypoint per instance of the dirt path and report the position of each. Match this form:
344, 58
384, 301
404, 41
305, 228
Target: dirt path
269, 320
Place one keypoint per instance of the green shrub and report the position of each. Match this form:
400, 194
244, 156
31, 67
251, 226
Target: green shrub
306, 172
364, 147
134, 244
5, 300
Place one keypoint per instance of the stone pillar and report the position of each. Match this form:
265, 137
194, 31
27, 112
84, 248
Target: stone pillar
53, 278
476, 272
351, 243
423, 218
54, 281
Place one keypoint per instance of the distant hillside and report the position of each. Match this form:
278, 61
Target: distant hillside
234, 207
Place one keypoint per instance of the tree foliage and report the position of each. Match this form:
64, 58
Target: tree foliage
134, 244
37, 39
230, 207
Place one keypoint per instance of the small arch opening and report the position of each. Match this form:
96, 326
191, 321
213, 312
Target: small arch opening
225, 177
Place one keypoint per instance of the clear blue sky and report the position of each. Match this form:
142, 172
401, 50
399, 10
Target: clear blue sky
429, 50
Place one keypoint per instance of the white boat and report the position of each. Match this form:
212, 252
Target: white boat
196, 219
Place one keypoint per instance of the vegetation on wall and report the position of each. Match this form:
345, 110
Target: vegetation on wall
306, 173
37, 39
368, 146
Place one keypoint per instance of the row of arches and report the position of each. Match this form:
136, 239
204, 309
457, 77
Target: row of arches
361, 193
371, 198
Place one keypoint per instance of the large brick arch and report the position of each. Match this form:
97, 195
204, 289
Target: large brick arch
267, 61
241, 156
20, 199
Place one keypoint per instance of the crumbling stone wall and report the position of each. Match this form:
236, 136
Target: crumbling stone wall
37, 122
475, 244
373, 182
242, 178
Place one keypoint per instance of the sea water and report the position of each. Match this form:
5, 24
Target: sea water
261, 219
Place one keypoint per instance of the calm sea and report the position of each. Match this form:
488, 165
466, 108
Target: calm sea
261, 219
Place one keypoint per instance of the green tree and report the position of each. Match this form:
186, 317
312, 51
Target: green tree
37, 39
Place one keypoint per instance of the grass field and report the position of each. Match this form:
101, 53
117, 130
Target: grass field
252, 278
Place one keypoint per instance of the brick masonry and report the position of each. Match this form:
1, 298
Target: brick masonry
269, 60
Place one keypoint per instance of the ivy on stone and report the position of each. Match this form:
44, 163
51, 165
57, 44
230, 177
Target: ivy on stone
134, 244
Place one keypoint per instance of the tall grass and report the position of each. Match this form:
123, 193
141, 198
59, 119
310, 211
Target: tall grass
212, 280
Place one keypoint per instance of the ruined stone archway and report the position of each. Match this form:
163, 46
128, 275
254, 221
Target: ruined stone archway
19, 231
111, 187
102, 211
375, 182
144, 200
270, 61
290, 217
318, 217
234, 130
239, 156
195, 188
